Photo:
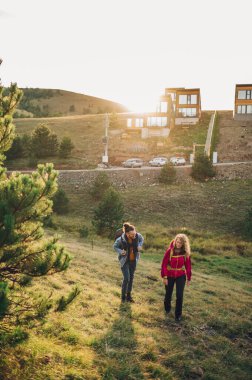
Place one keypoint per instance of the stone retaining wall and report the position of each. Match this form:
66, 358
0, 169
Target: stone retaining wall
129, 178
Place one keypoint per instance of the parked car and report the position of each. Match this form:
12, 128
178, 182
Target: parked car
158, 161
177, 160
133, 163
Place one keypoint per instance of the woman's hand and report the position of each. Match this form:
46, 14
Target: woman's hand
139, 248
188, 283
165, 281
123, 252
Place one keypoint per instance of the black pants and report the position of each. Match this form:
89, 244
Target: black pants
180, 285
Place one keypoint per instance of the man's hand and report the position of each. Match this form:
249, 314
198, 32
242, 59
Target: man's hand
165, 281
188, 283
123, 252
139, 248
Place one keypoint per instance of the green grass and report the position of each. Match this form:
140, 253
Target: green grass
97, 338
184, 139
215, 206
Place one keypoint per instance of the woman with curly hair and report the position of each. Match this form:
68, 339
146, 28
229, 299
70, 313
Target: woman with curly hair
176, 268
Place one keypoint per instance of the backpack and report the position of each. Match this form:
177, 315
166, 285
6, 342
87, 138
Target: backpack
118, 233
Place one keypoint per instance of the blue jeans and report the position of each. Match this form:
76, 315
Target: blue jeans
128, 271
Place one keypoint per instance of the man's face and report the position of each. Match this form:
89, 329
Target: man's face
132, 234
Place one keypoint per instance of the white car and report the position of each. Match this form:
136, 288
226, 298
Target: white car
158, 161
177, 160
133, 163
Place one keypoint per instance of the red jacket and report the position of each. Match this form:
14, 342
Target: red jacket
175, 266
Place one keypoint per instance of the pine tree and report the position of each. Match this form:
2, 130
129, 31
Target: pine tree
24, 203
44, 143
100, 185
108, 216
202, 168
66, 147
60, 202
167, 174
16, 150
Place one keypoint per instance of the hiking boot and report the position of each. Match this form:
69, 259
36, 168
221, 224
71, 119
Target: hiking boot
178, 318
129, 298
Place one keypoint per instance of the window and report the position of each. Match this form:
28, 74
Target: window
241, 95
245, 94
244, 109
249, 109
154, 121
172, 95
139, 122
187, 112
187, 99
193, 99
129, 123
164, 107
249, 94
182, 99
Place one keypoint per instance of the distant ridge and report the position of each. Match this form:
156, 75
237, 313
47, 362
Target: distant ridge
38, 102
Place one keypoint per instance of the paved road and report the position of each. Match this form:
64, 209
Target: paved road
116, 168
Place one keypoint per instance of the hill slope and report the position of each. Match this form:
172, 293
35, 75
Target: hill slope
235, 141
87, 131
50, 102
98, 339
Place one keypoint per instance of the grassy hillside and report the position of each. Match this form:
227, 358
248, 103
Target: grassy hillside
50, 102
216, 206
97, 338
87, 132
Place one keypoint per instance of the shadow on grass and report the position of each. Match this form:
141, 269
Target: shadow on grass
117, 350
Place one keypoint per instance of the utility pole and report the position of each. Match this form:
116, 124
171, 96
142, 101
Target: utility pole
105, 140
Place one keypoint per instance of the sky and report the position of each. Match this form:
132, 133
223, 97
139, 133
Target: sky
128, 51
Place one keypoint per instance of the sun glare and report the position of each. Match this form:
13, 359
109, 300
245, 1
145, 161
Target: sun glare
142, 102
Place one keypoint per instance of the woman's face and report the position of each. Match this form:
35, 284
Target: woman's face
178, 243
131, 234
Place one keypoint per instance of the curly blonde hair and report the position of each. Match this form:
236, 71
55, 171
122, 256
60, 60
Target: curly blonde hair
185, 242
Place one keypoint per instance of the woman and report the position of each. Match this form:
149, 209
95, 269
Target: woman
176, 268
128, 246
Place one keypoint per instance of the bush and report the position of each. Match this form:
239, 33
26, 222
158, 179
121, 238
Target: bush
248, 225
16, 150
44, 143
100, 185
202, 168
167, 174
66, 147
60, 202
84, 232
32, 162
108, 216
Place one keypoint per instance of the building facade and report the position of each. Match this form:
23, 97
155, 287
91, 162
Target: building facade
186, 104
156, 123
177, 106
243, 102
